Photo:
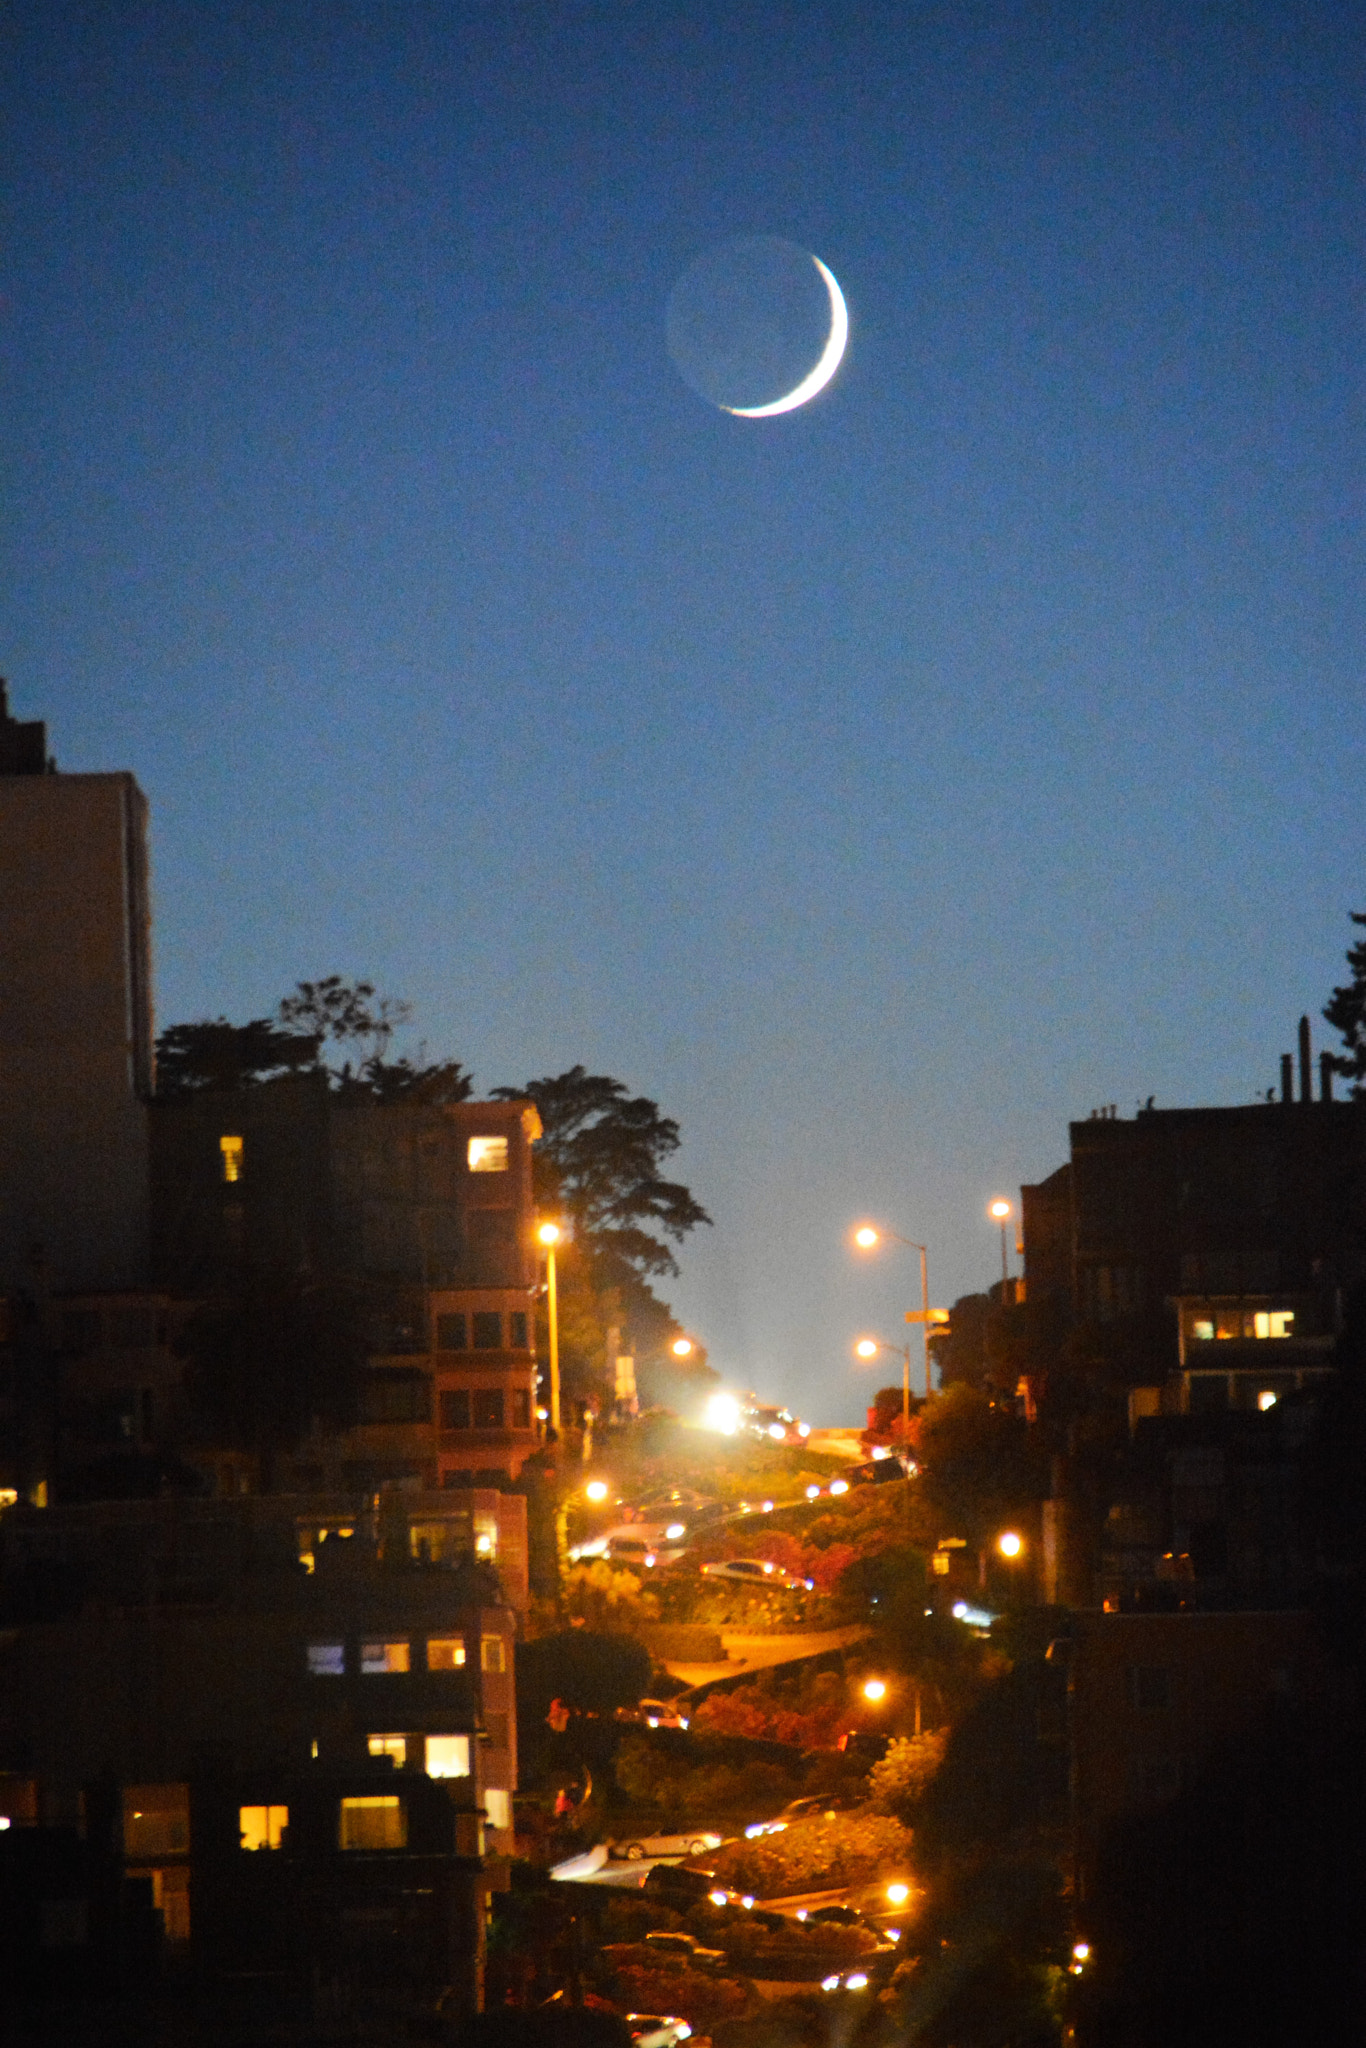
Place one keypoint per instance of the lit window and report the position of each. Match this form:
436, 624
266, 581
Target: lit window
394, 1747
445, 1653
1279, 1322
491, 1654
231, 1149
488, 1155
1266, 1399
448, 1756
156, 1820
376, 1657
497, 1808
485, 1533
327, 1660
374, 1822
1202, 1330
262, 1827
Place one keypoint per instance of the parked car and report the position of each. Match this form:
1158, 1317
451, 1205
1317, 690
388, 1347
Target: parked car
799, 1809
653, 1714
663, 1950
749, 1571
876, 1472
635, 1847
678, 1885
657, 2029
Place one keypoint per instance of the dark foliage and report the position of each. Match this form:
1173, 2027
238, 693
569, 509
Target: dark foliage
217, 1054
275, 1353
1347, 1015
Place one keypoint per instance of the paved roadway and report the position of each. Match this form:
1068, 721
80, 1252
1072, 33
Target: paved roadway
760, 1653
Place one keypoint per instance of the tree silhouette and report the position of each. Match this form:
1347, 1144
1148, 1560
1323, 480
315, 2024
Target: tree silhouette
1347, 1015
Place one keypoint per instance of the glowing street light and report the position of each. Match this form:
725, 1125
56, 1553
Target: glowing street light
723, 1414
1010, 1543
875, 1689
867, 1237
1001, 1211
682, 1347
897, 1894
596, 1490
548, 1236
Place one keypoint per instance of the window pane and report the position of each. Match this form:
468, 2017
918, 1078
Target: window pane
448, 1756
498, 1807
394, 1746
327, 1660
492, 1654
517, 1331
488, 1330
373, 1823
485, 1534
262, 1827
455, 1408
445, 1653
451, 1333
383, 1657
488, 1408
156, 1820
231, 1151
488, 1155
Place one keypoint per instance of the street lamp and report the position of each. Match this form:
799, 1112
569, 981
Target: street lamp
1001, 1212
868, 1348
875, 1689
868, 1237
596, 1491
1010, 1543
682, 1347
548, 1235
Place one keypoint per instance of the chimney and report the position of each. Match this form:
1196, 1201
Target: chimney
1325, 1077
1306, 1063
1287, 1078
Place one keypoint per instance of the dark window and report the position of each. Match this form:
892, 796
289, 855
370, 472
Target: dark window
488, 1330
517, 1337
521, 1408
455, 1409
488, 1408
80, 1330
451, 1333
1149, 1687
403, 1396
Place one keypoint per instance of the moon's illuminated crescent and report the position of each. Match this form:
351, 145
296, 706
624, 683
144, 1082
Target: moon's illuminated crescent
831, 357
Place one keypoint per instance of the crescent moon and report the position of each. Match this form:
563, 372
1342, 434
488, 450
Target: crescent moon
831, 357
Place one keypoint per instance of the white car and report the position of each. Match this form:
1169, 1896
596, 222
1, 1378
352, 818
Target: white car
657, 2029
636, 1847
751, 1571
654, 1714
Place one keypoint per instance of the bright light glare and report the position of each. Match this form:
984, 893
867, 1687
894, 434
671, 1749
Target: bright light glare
719, 1898
960, 1608
1266, 1400
867, 1347
830, 1983
813, 1493
596, 1489
897, 1894
1081, 1950
893, 1934
999, 1210
675, 1530
1009, 1544
776, 1431
723, 1414
548, 1233
839, 1486
865, 1237
856, 1982
875, 1689
681, 1347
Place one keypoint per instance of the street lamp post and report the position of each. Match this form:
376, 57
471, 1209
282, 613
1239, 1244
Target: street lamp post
868, 1238
869, 1347
548, 1235
1001, 1212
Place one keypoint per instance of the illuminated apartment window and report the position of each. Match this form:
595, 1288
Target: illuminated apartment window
327, 1660
231, 1149
156, 1820
498, 1807
448, 1756
445, 1653
1277, 1322
488, 1408
1266, 1399
377, 1657
485, 1534
262, 1827
1202, 1330
376, 1821
395, 1747
491, 1656
488, 1155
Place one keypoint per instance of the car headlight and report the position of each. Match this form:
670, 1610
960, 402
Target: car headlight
858, 1981
830, 1983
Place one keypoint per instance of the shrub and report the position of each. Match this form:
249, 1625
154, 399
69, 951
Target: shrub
686, 1992
683, 1643
896, 1784
815, 1855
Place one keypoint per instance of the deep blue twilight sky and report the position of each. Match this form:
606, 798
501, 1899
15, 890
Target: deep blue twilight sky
878, 786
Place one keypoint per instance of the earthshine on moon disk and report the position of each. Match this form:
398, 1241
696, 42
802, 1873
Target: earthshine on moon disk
757, 326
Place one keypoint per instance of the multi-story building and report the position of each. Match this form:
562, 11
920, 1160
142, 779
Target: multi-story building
75, 1023
423, 1211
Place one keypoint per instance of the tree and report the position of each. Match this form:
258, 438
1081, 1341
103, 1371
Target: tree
348, 1014
1347, 1015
